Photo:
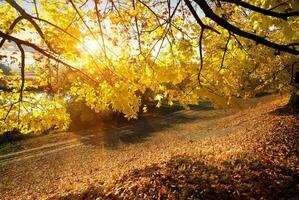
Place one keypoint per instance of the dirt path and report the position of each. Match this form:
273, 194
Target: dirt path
53, 165
109, 137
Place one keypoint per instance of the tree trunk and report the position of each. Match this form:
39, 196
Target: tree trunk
294, 102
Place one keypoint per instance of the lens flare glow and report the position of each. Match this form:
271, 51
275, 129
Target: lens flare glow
92, 45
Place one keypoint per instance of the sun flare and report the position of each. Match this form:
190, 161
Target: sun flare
92, 45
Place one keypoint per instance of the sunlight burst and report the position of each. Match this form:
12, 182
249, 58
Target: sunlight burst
92, 45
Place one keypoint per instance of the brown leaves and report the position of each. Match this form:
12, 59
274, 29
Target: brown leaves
258, 160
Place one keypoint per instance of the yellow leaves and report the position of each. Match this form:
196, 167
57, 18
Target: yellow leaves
218, 10
179, 22
159, 97
256, 24
122, 82
128, 103
120, 97
144, 109
133, 12
222, 71
91, 14
114, 18
8, 14
184, 45
2, 76
38, 120
35, 115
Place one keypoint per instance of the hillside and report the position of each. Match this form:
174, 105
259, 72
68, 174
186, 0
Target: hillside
255, 157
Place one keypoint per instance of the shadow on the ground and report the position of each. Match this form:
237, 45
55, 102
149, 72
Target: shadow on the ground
286, 111
269, 172
11, 137
188, 178
124, 132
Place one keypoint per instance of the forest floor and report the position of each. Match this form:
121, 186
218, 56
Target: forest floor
198, 154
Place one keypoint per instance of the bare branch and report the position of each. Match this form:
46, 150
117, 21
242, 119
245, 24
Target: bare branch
22, 70
100, 26
200, 54
9, 110
225, 50
137, 29
35, 6
278, 5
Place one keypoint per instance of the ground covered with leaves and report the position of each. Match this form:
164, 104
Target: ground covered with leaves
255, 158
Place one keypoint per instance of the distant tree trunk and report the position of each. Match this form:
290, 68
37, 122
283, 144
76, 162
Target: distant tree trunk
294, 102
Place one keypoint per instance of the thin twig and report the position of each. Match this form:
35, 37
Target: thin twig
200, 55
225, 50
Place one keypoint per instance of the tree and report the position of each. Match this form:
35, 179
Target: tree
111, 54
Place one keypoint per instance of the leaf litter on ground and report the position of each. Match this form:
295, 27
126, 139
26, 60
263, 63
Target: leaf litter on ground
259, 160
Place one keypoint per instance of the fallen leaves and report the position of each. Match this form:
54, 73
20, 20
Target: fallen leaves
258, 161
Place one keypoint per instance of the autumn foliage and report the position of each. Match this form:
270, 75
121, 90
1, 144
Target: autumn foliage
120, 55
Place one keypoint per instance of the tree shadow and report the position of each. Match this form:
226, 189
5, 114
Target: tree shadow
119, 131
189, 178
285, 110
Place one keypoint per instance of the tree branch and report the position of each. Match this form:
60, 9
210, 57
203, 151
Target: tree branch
43, 52
223, 23
225, 50
198, 20
200, 54
137, 28
30, 19
100, 26
12, 26
22, 70
283, 16
35, 6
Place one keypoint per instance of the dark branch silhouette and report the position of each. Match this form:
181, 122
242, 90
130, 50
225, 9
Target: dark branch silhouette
283, 16
228, 26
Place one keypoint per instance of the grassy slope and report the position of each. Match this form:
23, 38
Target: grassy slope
256, 156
